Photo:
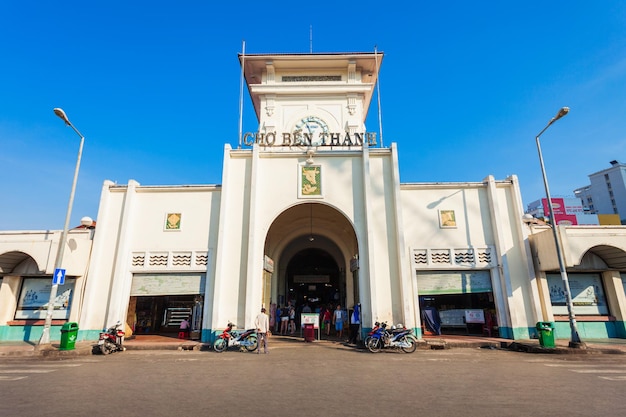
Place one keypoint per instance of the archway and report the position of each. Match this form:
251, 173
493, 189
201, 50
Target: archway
603, 257
16, 262
312, 245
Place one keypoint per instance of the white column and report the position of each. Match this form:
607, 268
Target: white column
254, 266
98, 278
410, 310
367, 283
212, 306
122, 277
501, 280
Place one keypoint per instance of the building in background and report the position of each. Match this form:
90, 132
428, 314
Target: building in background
606, 195
568, 211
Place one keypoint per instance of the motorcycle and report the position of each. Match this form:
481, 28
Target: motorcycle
245, 340
112, 339
398, 338
371, 333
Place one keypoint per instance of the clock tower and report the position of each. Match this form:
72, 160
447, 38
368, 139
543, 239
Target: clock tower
313, 96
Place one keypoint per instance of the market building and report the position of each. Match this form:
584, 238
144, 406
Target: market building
26, 269
311, 210
595, 263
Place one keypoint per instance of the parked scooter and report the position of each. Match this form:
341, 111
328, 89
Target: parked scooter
382, 338
229, 338
371, 333
112, 339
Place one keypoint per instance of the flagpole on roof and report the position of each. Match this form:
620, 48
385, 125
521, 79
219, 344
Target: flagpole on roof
243, 61
380, 118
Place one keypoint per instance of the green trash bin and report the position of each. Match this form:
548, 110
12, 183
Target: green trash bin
69, 334
546, 334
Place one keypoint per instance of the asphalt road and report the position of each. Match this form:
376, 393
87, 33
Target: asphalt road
315, 380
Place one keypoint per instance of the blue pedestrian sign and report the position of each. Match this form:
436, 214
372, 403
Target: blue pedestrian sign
58, 277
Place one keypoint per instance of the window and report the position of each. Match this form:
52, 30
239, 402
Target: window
587, 294
34, 297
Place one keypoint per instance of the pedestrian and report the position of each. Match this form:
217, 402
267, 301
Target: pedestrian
326, 319
338, 321
284, 320
184, 328
277, 319
272, 315
292, 320
262, 324
355, 322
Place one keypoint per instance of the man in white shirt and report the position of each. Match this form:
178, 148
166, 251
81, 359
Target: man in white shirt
262, 324
338, 321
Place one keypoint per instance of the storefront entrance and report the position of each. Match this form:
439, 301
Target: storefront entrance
457, 303
162, 315
160, 302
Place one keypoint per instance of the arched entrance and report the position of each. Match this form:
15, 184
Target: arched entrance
312, 245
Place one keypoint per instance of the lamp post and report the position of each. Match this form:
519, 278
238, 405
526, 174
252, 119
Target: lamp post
575, 341
45, 335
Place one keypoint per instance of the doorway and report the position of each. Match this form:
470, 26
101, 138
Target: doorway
162, 315
314, 279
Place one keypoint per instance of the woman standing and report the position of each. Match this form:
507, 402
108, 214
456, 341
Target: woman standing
292, 320
284, 320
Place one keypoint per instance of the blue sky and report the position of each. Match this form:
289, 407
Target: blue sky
154, 87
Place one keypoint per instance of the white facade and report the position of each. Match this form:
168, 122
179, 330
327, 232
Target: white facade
311, 210
359, 214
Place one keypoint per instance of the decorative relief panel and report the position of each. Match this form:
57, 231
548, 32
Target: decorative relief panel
170, 260
457, 258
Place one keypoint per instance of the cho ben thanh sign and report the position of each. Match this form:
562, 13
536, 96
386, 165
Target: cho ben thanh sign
309, 139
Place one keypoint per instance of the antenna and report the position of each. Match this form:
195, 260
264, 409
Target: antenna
243, 62
310, 39
380, 118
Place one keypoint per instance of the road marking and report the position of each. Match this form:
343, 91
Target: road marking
613, 378
11, 378
599, 371
30, 369
25, 371
593, 365
43, 365
594, 368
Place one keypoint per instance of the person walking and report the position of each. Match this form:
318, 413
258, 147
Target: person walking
355, 322
326, 319
338, 321
262, 324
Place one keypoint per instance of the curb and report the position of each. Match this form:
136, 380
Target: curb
90, 348
529, 348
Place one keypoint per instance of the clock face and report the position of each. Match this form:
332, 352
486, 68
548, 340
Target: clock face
314, 126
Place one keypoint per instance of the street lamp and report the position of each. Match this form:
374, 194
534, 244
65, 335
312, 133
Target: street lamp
45, 335
575, 341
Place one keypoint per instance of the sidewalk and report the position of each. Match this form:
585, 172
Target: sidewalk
155, 343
